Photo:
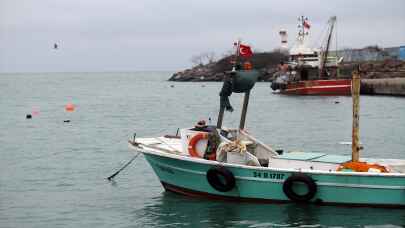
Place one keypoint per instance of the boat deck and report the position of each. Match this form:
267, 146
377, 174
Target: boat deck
315, 157
298, 160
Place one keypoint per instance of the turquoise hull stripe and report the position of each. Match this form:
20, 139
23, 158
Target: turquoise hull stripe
281, 181
268, 184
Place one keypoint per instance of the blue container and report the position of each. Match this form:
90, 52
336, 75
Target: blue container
402, 53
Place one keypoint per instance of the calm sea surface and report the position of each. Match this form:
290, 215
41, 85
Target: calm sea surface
52, 174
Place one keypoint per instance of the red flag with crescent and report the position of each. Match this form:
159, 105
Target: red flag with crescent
306, 24
245, 50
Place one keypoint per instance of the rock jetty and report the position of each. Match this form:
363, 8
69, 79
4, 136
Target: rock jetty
381, 77
267, 64
264, 62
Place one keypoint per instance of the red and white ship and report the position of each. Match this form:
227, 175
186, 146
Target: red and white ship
310, 71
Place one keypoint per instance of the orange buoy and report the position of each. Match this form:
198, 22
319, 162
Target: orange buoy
35, 111
247, 65
69, 107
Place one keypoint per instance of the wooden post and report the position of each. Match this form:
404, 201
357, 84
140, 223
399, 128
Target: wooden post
244, 110
356, 119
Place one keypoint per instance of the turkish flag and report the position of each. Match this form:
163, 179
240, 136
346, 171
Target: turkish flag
245, 51
306, 24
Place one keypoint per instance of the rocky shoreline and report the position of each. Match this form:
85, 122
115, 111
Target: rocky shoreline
266, 63
371, 70
385, 77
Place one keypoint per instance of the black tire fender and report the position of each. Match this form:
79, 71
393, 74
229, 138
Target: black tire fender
303, 178
221, 179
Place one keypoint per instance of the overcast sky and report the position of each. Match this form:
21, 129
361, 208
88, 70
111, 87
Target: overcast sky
130, 35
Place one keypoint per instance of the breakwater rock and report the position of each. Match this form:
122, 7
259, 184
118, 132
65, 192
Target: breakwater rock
389, 68
385, 77
267, 63
198, 73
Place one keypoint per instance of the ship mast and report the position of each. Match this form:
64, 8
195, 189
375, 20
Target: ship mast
322, 71
303, 29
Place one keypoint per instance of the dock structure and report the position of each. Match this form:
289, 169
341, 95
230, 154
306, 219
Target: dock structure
383, 86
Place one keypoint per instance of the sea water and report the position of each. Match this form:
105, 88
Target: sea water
53, 173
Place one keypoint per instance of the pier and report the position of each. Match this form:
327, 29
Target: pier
383, 86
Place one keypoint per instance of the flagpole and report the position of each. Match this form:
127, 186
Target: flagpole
236, 55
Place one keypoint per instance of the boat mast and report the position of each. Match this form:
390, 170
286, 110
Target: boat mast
222, 106
227, 81
302, 27
244, 110
302, 31
322, 73
356, 106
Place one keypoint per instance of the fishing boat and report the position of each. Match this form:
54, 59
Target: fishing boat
310, 71
216, 162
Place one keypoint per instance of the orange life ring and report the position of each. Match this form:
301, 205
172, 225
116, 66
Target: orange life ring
193, 143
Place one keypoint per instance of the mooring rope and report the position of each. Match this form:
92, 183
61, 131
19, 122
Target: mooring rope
122, 168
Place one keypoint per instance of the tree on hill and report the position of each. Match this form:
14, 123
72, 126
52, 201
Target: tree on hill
203, 58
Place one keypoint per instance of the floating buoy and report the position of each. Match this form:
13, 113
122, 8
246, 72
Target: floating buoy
28, 116
70, 107
34, 111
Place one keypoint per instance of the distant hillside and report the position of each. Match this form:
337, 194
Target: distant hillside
264, 61
258, 60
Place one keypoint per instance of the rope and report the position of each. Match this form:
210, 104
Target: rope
236, 147
122, 168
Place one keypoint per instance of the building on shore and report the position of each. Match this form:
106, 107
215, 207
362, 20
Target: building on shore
402, 53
